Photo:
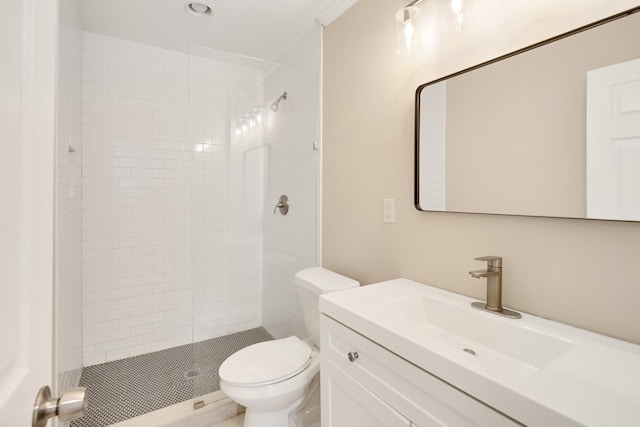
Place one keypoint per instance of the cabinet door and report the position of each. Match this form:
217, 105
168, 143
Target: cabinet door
346, 403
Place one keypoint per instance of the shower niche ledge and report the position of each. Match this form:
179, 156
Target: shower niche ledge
417, 355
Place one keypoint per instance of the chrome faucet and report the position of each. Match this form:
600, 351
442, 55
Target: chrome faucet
493, 273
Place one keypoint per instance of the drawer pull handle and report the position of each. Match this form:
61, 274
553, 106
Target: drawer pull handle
352, 355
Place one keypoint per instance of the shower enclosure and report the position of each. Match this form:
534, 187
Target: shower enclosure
169, 168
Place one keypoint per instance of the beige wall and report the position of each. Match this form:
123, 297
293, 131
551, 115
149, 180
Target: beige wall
574, 271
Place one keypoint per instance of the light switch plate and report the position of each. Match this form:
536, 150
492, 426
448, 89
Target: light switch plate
389, 211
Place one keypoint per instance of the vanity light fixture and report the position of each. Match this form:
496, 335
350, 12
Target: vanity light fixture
457, 15
408, 34
199, 8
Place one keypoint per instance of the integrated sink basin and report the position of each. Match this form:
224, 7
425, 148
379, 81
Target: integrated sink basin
535, 371
494, 341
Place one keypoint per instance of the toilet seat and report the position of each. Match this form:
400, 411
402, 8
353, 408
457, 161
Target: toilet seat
266, 362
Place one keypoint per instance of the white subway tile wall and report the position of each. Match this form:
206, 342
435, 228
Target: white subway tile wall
69, 198
136, 199
147, 201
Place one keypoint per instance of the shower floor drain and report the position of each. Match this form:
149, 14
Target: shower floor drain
191, 374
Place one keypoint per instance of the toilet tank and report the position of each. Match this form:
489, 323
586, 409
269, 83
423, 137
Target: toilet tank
311, 283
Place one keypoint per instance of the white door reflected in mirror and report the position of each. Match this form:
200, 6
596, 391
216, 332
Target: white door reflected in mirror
613, 142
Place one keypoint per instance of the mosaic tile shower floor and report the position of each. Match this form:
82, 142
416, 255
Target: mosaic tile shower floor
130, 387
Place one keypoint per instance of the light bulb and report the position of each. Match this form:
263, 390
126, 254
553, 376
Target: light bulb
408, 33
408, 30
456, 6
458, 16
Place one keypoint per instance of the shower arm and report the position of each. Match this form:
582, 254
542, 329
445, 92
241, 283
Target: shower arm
276, 103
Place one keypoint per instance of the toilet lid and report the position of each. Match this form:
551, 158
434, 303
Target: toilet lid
266, 362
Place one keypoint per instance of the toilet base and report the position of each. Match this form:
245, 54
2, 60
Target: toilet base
304, 412
253, 418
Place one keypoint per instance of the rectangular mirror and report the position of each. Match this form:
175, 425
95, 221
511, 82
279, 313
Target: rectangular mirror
550, 130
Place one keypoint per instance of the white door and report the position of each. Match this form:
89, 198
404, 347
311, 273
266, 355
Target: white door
613, 142
28, 37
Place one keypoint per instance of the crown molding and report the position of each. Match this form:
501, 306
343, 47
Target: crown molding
333, 11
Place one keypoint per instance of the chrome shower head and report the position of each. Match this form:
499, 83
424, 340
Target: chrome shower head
276, 103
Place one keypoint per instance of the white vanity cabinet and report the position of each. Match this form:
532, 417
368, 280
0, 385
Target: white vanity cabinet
428, 357
364, 384
345, 402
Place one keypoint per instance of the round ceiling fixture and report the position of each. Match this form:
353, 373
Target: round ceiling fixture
199, 9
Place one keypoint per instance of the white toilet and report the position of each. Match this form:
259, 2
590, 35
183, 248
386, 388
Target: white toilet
275, 380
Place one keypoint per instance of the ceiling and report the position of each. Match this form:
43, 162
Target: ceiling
258, 28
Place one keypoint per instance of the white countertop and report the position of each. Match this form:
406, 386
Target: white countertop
587, 379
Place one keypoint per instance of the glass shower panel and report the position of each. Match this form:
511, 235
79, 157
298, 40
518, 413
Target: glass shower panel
246, 152
229, 153
68, 217
290, 242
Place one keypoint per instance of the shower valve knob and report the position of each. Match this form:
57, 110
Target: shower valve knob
283, 205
